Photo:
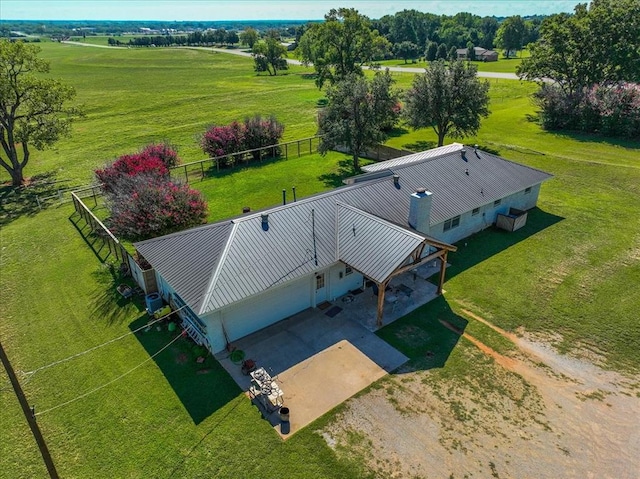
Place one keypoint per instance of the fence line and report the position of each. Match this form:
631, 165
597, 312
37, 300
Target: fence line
295, 148
98, 227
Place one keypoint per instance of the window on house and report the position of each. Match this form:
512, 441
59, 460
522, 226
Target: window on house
527, 190
475, 211
320, 281
452, 223
348, 270
497, 203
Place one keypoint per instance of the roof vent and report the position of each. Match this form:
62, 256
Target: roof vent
421, 190
396, 181
265, 221
466, 171
463, 154
475, 150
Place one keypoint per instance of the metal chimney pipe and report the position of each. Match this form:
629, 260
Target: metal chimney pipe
284, 197
294, 194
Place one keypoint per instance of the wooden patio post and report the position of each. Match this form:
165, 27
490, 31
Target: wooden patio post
381, 290
443, 268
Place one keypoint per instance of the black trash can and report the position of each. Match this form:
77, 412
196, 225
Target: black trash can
284, 414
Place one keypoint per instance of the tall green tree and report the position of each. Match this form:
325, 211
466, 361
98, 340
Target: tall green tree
269, 56
451, 100
442, 52
232, 37
406, 51
357, 114
431, 52
34, 110
511, 34
488, 28
249, 37
565, 51
340, 45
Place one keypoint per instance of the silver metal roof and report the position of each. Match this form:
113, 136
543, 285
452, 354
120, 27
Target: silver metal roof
213, 266
372, 245
416, 157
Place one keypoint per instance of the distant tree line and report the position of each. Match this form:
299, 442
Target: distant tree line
411, 34
209, 37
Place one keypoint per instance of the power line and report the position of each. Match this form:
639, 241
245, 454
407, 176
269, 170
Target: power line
60, 361
112, 381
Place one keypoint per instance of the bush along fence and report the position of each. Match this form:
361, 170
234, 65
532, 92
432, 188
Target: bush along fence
102, 237
198, 170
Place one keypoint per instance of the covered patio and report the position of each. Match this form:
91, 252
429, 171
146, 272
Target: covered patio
323, 356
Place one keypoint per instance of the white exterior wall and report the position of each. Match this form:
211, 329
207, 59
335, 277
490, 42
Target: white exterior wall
470, 224
342, 285
215, 334
262, 310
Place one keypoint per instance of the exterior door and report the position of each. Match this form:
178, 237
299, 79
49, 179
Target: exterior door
321, 288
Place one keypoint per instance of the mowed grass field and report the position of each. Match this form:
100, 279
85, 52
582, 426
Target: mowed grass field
569, 274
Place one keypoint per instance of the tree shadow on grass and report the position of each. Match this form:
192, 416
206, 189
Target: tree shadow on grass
107, 303
596, 138
23, 201
427, 335
396, 132
481, 246
203, 387
345, 170
420, 145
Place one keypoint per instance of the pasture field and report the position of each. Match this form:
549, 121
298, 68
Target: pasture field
568, 277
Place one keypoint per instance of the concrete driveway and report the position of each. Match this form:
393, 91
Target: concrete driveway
323, 356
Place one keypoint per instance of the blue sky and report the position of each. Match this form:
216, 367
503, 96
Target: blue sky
259, 9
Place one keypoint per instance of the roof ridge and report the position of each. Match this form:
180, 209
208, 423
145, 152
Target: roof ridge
381, 220
421, 157
216, 271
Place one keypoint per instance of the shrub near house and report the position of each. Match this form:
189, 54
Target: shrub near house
143, 200
255, 132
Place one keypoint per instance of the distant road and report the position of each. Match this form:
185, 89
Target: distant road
80, 44
291, 61
506, 76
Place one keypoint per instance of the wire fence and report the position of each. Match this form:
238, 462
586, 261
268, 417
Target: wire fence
198, 170
97, 228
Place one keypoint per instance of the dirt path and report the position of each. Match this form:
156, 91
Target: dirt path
536, 414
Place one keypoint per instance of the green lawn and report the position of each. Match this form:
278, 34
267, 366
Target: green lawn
572, 270
136, 96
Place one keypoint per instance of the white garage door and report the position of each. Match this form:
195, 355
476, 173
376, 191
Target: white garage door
265, 309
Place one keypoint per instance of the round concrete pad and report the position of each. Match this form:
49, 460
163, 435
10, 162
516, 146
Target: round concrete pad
321, 382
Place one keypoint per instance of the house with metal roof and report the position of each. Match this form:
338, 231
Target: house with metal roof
234, 277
